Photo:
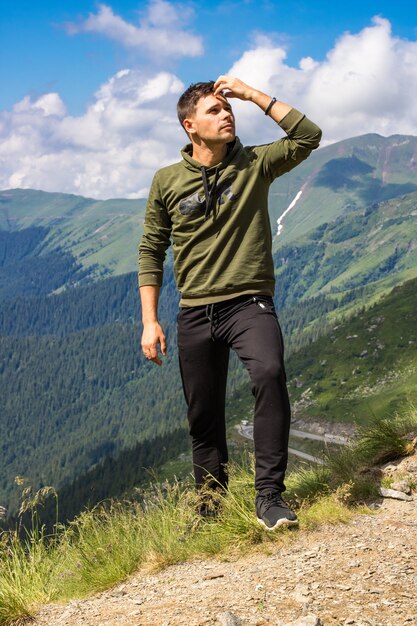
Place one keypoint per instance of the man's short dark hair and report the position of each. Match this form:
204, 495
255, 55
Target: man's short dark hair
188, 101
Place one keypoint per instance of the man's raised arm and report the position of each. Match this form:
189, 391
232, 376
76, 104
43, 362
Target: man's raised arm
306, 134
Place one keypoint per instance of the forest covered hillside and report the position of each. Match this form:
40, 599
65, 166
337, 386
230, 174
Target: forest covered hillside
92, 389
361, 253
101, 235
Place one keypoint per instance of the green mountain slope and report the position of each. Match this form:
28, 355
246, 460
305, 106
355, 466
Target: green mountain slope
107, 301
372, 249
348, 175
27, 269
100, 234
76, 389
70, 402
366, 366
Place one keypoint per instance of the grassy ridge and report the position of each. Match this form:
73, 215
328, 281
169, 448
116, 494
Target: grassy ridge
104, 546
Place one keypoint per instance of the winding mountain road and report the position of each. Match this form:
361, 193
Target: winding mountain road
246, 430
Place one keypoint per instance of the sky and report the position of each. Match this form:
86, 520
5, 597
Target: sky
88, 89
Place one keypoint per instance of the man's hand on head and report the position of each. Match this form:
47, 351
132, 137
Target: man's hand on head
232, 87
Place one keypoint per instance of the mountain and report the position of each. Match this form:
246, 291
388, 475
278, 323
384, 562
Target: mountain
369, 249
348, 175
102, 235
76, 389
72, 371
118, 416
27, 269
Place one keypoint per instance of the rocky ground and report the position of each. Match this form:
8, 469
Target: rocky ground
360, 573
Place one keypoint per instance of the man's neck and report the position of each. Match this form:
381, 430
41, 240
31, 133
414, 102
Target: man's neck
209, 156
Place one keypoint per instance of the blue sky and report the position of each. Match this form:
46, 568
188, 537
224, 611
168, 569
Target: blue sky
37, 54
90, 79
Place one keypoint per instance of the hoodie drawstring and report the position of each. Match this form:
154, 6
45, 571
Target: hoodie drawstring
209, 193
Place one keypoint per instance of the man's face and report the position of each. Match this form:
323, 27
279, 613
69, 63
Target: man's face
212, 121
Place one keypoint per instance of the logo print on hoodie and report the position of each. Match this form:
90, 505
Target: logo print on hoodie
196, 203
192, 204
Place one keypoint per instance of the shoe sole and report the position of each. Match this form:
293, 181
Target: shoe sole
281, 522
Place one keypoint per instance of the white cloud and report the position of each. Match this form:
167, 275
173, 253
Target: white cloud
160, 31
113, 150
367, 83
49, 104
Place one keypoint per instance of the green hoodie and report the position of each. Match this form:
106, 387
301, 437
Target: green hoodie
218, 217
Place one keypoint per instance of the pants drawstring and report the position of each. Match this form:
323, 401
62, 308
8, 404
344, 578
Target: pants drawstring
210, 314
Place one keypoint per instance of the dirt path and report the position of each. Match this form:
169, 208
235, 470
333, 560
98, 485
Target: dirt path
360, 573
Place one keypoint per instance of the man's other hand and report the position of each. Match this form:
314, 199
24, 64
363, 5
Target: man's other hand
152, 337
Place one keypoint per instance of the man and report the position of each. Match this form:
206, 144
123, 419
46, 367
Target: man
214, 206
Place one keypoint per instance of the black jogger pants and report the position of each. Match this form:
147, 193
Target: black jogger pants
248, 325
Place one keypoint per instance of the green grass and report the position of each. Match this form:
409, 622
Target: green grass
105, 545
367, 365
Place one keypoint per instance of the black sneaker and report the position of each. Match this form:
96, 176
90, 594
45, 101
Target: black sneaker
209, 505
272, 512
207, 508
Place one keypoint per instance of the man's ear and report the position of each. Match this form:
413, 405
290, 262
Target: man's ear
188, 126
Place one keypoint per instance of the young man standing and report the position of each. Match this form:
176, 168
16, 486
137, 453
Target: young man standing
214, 206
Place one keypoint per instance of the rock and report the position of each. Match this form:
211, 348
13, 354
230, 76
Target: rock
299, 597
137, 600
401, 485
397, 495
306, 620
228, 619
389, 468
300, 594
